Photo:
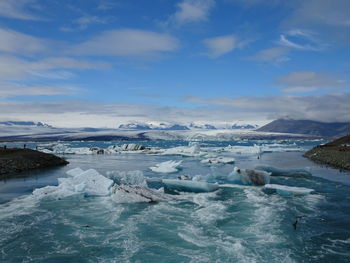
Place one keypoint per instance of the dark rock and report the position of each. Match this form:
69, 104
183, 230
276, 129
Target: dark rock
17, 160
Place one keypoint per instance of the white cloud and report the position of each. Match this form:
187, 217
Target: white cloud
83, 22
306, 81
17, 9
325, 107
311, 43
218, 46
330, 18
12, 67
274, 55
15, 42
190, 11
322, 12
127, 42
8, 89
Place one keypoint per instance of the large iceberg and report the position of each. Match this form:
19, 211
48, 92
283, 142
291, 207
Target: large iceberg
166, 167
78, 183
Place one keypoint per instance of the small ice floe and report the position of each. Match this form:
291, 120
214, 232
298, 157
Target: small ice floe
285, 172
218, 160
135, 194
189, 186
191, 150
255, 149
128, 147
166, 167
287, 190
249, 177
78, 183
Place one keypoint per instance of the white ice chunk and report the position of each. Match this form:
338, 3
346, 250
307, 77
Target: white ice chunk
128, 178
189, 186
191, 150
218, 160
288, 190
95, 183
80, 183
166, 167
134, 194
249, 177
74, 172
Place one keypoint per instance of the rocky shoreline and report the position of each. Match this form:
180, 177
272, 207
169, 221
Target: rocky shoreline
335, 154
15, 160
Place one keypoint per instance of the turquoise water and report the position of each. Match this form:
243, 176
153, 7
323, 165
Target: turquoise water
241, 224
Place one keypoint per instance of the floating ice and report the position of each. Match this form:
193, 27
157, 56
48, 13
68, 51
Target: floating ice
191, 150
134, 194
249, 177
218, 160
288, 190
255, 149
189, 186
264, 148
79, 182
128, 178
284, 172
166, 167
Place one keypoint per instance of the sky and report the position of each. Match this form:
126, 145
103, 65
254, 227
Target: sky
99, 63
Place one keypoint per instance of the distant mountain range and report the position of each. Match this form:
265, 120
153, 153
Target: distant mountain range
322, 129
191, 126
24, 123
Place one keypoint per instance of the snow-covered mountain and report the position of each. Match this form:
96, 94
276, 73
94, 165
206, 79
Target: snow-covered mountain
151, 126
191, 126
244, 126
195, 126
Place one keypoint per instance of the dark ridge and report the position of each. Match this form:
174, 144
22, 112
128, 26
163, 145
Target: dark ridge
315, 128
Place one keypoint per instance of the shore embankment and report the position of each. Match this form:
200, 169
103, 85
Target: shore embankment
335, 154
16, 160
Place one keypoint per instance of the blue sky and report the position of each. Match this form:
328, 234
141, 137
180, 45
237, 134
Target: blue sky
100, 62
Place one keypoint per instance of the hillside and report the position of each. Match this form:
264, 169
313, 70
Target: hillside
322, 129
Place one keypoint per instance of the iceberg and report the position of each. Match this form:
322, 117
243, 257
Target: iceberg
127, 178
166, 167
255, 149
78, 183
284, 172
132, 147
192, 150
218, 160
288, 190
189, 186
249, 177
134, 194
